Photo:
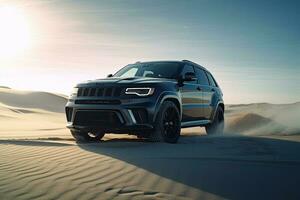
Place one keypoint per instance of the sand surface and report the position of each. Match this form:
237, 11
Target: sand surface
257, 158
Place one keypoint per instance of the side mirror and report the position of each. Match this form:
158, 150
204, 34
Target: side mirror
189, 76
109, 75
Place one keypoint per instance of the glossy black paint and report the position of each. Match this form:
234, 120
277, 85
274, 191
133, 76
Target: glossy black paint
196, 102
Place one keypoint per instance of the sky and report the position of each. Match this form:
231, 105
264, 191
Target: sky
251, 47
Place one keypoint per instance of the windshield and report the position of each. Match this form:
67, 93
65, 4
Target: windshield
167, 70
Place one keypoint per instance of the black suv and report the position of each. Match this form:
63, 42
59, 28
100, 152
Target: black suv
152, 100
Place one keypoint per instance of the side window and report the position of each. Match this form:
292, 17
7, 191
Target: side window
211, 80
188, 68
202, 78
148, 74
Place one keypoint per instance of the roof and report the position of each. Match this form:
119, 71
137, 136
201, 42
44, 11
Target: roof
176, 61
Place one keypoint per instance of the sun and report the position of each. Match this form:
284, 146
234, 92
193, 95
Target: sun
14, 32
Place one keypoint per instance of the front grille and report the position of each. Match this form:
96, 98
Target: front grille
140, 115
98, 102
98, 118
99, 92
69, 112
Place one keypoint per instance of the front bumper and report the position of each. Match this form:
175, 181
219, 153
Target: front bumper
130, 116
134, 129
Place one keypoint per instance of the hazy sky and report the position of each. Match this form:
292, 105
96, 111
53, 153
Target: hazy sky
251, 47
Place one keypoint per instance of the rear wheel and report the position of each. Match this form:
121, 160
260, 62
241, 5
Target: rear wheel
83, 136
167, 124
217, 125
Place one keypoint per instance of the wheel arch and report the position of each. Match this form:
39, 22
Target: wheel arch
175, 101
169, 97
219, 104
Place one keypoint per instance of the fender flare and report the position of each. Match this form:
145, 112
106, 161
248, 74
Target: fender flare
163, 97
215, 110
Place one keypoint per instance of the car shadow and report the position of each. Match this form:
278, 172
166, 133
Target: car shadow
231, 167
235, 167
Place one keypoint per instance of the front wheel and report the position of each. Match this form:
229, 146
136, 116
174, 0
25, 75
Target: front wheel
217, 125
167, 124
83, 136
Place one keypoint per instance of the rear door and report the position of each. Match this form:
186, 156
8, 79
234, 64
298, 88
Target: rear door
191, 98
215, 90
206, 91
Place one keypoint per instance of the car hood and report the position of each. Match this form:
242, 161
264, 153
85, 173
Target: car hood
123, 81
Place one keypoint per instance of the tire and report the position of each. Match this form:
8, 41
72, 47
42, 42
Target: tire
167, 124
83, 137
217, 125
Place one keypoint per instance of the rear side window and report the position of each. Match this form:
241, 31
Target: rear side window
211, 80
202, 78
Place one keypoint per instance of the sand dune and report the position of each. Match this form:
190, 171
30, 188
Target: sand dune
5, 87
26, 114
37, 100
263, 119
247, 122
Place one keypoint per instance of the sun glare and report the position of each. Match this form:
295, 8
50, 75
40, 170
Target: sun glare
14, 32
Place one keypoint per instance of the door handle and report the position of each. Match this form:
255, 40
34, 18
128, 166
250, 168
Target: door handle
199, 88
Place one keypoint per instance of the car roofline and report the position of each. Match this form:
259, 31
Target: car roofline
170, 61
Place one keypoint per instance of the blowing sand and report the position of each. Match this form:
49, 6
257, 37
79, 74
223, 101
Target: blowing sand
259, 157
263, 119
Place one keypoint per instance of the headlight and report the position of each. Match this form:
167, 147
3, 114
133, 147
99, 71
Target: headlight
140, 91
74, 92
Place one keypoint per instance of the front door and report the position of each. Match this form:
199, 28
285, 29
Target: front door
191, 98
